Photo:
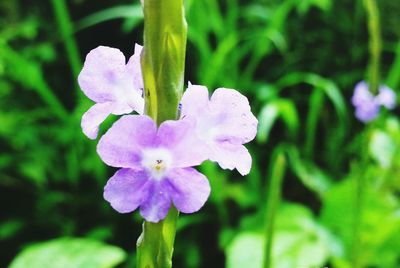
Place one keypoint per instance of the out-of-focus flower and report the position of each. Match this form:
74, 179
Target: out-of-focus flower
387, 97
115, 86
224, 122
156, 167
367, 105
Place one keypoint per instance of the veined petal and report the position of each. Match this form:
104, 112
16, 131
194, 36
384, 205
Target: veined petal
92, 119
122, 144
101, 73
236, 118
127, 190
190, 189
231, 156
182, 141
156, 206
224, 123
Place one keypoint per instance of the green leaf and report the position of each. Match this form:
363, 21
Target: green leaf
271, 112
299, 241
382, 148
379, 222
309, 174
246, 250
131, 12
69, 253
9, 228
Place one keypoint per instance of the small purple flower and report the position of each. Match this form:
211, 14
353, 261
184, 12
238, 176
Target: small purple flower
367, 105
387, 97
115, 86
224, 123
156, 167
367, 108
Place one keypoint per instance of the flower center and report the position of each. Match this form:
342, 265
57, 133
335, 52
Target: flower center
157, 162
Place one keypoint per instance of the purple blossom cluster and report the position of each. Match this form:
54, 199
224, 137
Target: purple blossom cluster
156, 163
367, 105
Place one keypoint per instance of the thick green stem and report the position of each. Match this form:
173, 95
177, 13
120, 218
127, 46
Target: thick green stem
375, 44
156, 243
163, 60
273, 200
163, 66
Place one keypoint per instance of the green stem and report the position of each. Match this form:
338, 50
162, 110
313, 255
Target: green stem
156, 243
163, 60
375, 44
360, 186
273, 200
163, 65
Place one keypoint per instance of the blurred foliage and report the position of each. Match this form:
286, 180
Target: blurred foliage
296, 60
69, 253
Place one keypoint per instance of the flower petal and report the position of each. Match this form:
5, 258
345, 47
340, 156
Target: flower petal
190, 189
92, 119
367, 112
127, 189
122, 144
194, 100
230, 156
386, 97
236, 118
183, 143
135, 68
156, 206
101, 73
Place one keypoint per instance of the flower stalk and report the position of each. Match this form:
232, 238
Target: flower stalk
163, 59
375, 44
163, 64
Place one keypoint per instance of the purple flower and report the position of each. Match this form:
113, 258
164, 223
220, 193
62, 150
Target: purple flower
156, 167
367, 108
367, 105
224, 123
387, 97
115, 86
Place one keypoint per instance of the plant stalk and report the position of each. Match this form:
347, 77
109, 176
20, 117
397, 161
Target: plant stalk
273, 200
375, 44
163, 66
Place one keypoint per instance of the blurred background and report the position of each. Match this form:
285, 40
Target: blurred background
323, 190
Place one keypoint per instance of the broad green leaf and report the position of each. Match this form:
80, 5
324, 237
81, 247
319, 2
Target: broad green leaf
379, 209
299, 241
69, 253
246, 250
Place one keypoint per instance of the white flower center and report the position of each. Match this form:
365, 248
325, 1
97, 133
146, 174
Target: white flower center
157, 162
